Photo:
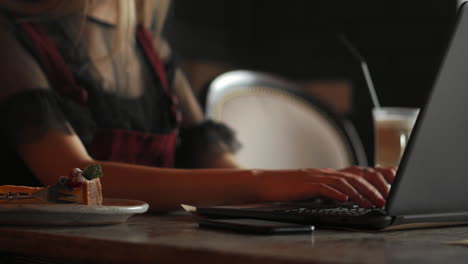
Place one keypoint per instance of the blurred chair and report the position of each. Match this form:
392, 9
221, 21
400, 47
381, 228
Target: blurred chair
279, 126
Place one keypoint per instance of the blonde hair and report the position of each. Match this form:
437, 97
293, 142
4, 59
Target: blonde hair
130, 12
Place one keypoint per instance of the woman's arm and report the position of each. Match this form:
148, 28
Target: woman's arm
56, 153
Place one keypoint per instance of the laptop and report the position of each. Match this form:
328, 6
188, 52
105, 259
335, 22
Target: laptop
431, 185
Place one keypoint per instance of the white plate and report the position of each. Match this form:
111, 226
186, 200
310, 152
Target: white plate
112, 211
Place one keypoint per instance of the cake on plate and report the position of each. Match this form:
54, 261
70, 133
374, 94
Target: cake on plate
79, 187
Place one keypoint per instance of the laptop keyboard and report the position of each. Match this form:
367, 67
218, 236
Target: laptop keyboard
339, 211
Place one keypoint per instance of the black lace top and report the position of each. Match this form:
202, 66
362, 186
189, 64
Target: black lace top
117, 97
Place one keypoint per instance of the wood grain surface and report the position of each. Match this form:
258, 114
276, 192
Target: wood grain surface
176, 238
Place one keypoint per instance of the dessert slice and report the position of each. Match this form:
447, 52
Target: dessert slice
80, 187
84, 187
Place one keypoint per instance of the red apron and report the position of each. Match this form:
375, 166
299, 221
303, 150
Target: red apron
112, 144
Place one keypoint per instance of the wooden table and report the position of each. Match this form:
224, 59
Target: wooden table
177, 239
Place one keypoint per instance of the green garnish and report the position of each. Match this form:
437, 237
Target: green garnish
93, 171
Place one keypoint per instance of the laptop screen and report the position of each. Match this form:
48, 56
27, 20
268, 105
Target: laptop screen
433, 174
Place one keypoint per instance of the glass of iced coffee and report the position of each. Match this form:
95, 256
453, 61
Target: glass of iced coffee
393, 127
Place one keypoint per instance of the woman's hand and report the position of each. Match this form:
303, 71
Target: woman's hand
381, 178
364, 186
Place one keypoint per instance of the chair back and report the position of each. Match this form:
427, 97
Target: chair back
279, 126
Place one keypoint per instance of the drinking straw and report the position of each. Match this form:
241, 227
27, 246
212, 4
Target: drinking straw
365, 69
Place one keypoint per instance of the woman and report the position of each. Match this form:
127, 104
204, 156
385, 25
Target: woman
77, 89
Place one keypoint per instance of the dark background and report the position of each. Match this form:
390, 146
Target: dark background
402, 40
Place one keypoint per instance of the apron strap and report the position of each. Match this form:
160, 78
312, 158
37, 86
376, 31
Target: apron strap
145, 40
53, 64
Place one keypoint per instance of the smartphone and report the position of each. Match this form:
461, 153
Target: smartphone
255, 226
